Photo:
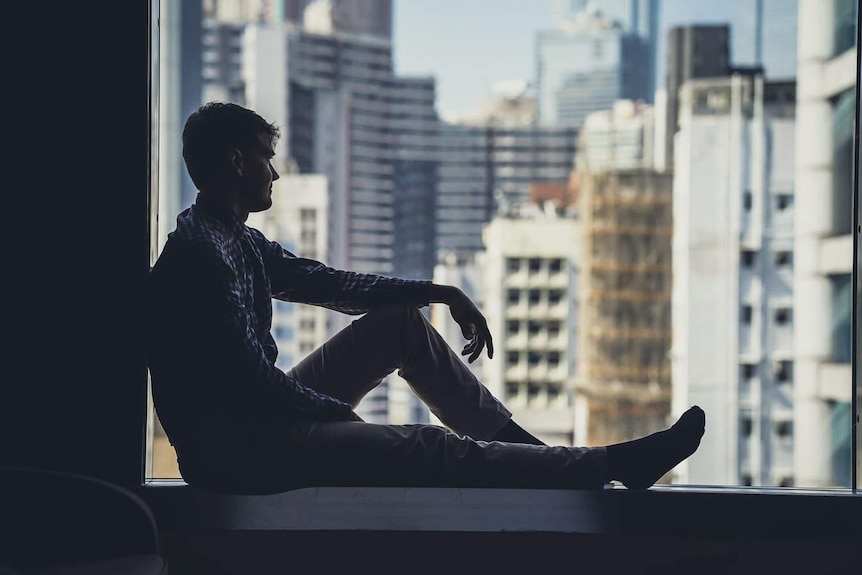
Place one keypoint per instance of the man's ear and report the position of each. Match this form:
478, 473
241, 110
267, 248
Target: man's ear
235, 161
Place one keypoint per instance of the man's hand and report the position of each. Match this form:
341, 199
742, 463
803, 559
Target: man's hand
469, 319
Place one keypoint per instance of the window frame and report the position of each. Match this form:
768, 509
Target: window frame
149, 484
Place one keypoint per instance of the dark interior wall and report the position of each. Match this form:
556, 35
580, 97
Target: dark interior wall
76, 250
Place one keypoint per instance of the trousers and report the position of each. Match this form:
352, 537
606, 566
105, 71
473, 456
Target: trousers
268, 455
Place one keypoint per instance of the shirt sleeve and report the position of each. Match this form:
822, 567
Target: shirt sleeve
308, 281
231, 345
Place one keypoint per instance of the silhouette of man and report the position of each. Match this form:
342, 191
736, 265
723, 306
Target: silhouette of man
240, 424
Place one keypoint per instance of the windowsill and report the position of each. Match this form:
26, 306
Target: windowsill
740, 513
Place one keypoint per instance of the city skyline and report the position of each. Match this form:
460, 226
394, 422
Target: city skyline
469, 59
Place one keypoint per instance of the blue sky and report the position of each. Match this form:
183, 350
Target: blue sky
469, 44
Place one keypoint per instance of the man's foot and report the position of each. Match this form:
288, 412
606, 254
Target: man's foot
640, 463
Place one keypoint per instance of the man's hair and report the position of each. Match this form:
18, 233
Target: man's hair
213, 130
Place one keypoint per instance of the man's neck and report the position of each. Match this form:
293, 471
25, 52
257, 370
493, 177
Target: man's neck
222, 204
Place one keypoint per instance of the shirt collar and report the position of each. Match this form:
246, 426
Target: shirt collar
227, 218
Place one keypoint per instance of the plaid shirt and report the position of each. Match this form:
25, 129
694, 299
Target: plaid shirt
210, 350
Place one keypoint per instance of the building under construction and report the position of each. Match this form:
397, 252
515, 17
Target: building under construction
623, 387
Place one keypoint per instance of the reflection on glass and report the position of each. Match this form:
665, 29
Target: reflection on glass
638, 243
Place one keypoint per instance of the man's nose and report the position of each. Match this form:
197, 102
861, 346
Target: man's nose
275, 175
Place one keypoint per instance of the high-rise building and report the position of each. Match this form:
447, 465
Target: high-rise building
692, 52
623, 380
764, 35
490, 161
415, 172
823, 241
367, 18
622, 388
733, 288
637, 17
530, 269
249, 11
585, 66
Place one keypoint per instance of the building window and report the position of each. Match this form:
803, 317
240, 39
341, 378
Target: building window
746, 315
746, 201
512, 358
745, 479
749, 257
782, 315
535, 265
784, 371
553, 328
843, 125
513, 327
534, 358
534, 327
783, 428
535, 296
786, 481
783, 259
842, 316
745, 427
555, 296
553, 358
749, 370
513, 296
512, 389
533, 390
783, 201
513, 265
555, 265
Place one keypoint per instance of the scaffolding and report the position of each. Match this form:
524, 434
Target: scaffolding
624, 329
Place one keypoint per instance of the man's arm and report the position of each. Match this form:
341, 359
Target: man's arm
308, 281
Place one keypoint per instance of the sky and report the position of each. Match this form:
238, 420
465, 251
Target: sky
469, 44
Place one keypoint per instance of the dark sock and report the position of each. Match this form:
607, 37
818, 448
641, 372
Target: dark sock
640, 463
514, 433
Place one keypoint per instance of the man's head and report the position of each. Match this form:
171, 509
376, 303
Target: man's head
227, 150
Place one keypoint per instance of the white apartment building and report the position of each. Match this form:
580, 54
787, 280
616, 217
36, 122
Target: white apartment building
298, 221
732, 303
823, 241
529, 269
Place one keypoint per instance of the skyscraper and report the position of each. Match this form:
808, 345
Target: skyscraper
366, 18
733, 284
692, 52
639, 18
823, 239
590, 61
490, 161
765, 35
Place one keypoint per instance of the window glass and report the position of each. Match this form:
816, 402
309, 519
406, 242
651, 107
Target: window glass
644, 229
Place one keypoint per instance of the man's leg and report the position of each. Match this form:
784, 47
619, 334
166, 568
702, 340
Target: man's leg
277, 457
356, 359
268, 455
365, 454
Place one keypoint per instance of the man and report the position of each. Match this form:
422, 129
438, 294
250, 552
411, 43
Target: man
240, 424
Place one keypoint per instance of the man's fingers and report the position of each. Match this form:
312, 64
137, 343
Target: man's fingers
486, 334
478, 351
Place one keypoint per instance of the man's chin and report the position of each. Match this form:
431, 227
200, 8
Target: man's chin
265, 205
